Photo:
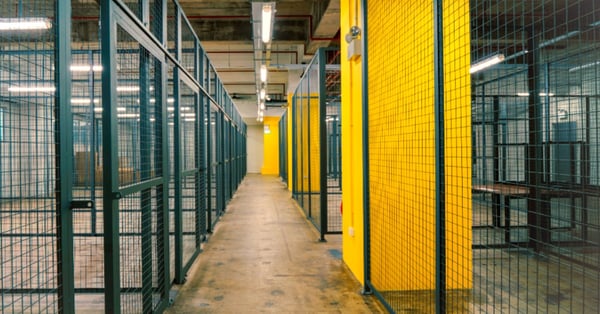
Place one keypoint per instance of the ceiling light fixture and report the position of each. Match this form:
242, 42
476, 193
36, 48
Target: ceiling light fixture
526, 94
24, 23
558, 38
263, 73
263, 94
83, 101
584, 66
486, 63
128, 88
31, 89
267, 14
85, 68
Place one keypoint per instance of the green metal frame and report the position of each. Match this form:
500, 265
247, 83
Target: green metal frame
65, 268
151, 153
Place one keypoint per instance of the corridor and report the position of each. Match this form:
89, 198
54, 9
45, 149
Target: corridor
264, 257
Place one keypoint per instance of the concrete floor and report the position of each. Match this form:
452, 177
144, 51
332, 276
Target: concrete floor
264, 257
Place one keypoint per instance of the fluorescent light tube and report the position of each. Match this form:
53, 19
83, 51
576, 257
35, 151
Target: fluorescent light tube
25, 23
263, 93
31, 89
128, 88
85, 68
128, 115
266, 22
526, 94
263, 73
584, 66
262, 106
558, 38
486, 63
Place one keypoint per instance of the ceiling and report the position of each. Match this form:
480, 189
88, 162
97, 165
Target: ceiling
225, 29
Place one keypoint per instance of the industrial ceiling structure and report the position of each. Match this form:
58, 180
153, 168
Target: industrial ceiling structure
225, 29
229, 31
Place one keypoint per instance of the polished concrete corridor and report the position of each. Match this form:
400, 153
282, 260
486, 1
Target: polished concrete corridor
264, 257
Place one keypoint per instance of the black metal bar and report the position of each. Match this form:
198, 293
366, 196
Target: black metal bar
322, 114
586, 170
368, 287
146, 194
294, 173
108, 34
534, 160
507, 219
162, 155
440, 189
93, 143
64, 165
209, 168
177, 150
495, 134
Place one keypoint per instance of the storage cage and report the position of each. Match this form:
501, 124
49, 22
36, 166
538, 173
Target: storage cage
483, 161
106, 154
316, 142
536, 185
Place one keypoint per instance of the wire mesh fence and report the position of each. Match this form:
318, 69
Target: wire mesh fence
103, 206
535, 211
29, 234
489, 202
316, 150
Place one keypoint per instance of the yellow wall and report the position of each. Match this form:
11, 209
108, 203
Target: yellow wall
352, 161
402, 146
271, 147
457, 115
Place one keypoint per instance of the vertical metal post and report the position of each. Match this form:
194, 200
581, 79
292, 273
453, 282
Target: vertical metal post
221, 158
322, 142
365, 150
209, 170
93, 144
199, 162
440, 184
179, 276
64, 162
161, 156
294, 149
145, 195
534, 159
108, 36
495, 144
